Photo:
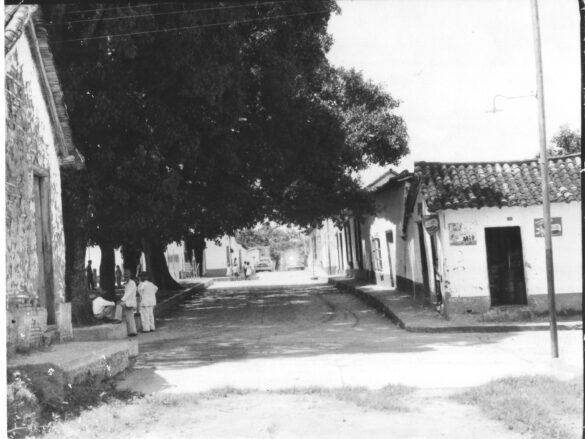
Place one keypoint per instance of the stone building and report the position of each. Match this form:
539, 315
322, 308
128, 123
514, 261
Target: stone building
38, 144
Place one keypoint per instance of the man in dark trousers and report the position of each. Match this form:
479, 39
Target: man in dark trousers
89, 276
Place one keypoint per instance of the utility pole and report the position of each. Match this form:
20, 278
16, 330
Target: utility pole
550, 279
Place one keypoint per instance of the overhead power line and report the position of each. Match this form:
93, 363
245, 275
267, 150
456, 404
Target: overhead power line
142, 5
119, 7
186, 11
173, 29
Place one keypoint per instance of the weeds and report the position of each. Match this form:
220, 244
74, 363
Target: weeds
388, 398
542, 407
38, 395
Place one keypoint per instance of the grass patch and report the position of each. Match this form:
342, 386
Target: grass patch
388, 398
539, 406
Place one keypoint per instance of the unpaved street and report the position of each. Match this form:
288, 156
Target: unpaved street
257, 336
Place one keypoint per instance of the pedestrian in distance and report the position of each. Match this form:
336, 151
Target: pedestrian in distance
236, 269
147, 291
118, 276
89, 276
247, 270
129, 304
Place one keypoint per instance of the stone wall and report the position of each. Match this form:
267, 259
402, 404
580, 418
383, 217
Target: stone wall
30, 148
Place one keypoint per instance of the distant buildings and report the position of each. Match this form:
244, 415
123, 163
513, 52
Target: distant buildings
217, 256
467, 233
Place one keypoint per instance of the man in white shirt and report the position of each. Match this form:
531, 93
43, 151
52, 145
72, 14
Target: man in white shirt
147, 291
129, 303
104, 309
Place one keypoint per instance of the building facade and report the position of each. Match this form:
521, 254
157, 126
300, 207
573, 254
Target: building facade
217, 256
486, 220
465, 235
38, 144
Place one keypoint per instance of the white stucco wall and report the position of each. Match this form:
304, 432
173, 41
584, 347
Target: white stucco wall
465, 266
389, 218
216, 255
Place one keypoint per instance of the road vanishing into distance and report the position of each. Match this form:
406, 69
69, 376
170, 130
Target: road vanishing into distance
286, 330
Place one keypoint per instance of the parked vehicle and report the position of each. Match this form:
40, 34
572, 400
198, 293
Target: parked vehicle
294, 262
264, 264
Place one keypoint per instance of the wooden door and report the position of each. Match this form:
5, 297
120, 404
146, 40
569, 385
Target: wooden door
44, 248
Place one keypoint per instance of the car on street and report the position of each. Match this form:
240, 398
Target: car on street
264, 264
294, 262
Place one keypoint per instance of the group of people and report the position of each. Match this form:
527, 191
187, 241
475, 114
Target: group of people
91, 275
234, 270
138, 297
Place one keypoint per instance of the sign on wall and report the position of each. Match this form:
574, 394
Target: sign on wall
556, 227
460, 234
431, 223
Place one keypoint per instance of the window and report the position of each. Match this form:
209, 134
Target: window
376, 254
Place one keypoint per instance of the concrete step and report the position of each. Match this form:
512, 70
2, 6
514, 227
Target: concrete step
78, 360
106, 331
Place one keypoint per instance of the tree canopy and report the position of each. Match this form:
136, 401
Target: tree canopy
278, 240
565, 141
201, 119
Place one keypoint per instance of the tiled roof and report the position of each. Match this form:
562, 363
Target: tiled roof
15, 20
518, 183
381, 180
388, 178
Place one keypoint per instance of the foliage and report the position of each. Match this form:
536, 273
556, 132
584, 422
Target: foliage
39, 394
214, 128
565, 141
541, 407
277, 239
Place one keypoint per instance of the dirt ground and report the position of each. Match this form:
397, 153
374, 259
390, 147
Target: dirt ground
263, 341
262, 415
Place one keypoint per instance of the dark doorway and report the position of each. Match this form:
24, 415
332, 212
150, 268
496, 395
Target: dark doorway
423, 259
389, 242
359, 245
505, 266
44, 247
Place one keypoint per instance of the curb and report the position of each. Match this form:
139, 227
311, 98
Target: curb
102, 360
387, 312
166, 305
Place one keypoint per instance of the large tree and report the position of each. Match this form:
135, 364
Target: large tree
278, 240
565, 141
200, 119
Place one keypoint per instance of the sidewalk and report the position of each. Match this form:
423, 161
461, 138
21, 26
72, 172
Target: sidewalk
101, 350
415, 316
79, 359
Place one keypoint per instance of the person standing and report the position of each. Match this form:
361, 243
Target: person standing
89, 276
129, 303
118, 276
147, 291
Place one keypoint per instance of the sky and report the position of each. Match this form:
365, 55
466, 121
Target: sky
446, 60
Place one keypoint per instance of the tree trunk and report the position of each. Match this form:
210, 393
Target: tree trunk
108, 271
76, 290
75, 248
131, 252
156, 265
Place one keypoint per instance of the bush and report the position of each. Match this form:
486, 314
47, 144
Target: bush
40, 394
